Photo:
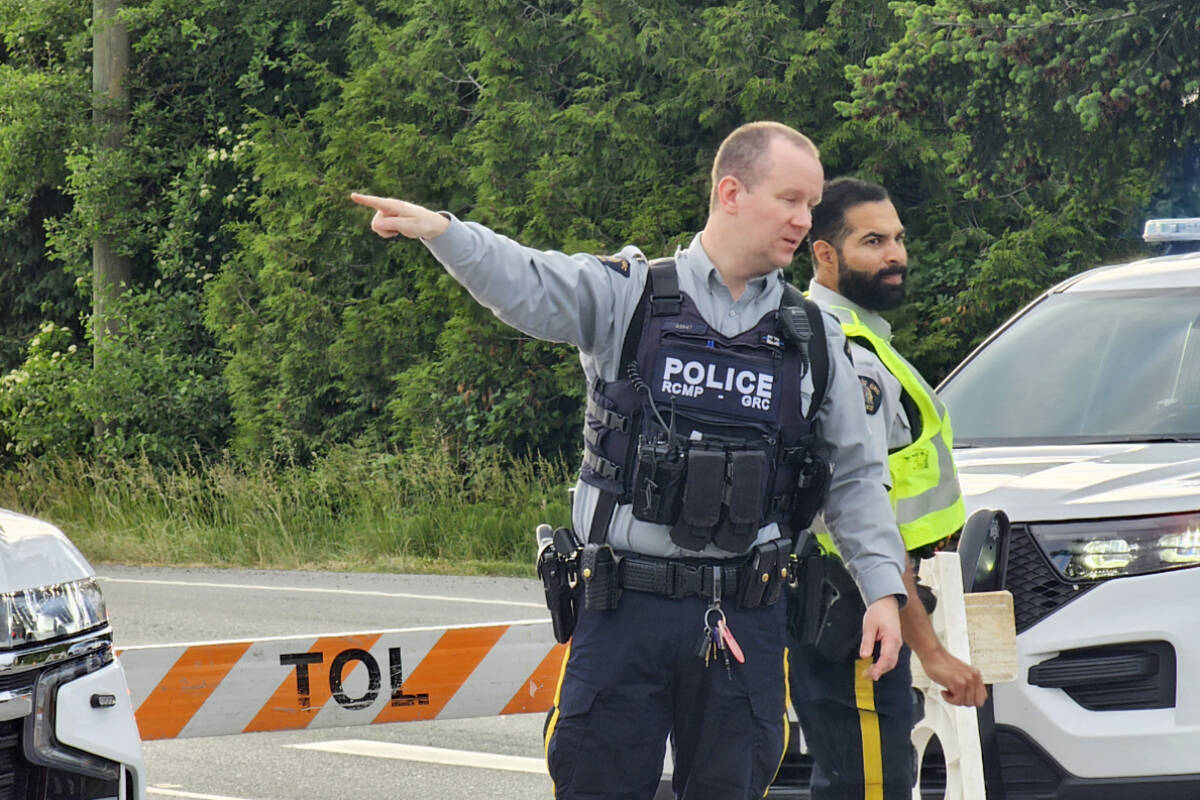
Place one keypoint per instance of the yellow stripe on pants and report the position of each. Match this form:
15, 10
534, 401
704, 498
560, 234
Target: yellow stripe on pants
553, 722
787, 724
868, 721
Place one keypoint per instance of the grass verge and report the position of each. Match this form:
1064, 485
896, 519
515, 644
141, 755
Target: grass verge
424, 510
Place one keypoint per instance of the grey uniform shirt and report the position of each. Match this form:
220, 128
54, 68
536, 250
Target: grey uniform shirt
588, 302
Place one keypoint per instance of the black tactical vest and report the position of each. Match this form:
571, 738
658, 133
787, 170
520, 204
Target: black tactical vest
705, 433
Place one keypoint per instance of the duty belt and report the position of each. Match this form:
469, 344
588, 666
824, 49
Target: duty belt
678, 579
754, 580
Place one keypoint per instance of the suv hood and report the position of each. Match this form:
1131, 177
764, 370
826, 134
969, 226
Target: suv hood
35, 553
1071, 482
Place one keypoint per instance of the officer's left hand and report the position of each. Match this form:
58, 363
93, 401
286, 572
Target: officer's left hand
881, 624
963, 682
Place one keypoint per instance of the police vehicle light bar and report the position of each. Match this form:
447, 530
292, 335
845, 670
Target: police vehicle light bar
1172, 230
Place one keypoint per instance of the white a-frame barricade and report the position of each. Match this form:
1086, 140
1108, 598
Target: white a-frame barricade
979, 629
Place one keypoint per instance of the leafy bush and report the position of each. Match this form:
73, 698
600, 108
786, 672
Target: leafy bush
39, 409
153, 399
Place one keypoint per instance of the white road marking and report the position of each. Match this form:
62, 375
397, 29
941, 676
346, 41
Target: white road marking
191, 795
356, 592
429, 755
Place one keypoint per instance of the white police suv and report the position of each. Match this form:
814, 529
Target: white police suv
1080, 418
67, 730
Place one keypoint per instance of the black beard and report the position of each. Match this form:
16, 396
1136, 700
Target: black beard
869, 291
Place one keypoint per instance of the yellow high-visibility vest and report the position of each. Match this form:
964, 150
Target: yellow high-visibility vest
925, 493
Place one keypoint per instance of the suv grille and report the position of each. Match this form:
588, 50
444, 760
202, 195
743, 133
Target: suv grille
1036, 588
18, 780
17, 681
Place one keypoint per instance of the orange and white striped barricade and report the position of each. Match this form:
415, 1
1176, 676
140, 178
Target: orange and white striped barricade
289, 683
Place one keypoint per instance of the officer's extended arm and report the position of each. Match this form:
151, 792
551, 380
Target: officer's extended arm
544, 293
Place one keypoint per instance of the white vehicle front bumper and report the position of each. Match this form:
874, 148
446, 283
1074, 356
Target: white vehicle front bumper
67, 723
1113, 743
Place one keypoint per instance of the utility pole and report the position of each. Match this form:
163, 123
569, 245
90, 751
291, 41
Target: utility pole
111, 273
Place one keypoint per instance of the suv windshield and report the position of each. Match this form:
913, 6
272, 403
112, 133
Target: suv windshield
1085, 367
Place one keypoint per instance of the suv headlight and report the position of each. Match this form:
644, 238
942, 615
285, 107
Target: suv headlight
1114, 548
50, 612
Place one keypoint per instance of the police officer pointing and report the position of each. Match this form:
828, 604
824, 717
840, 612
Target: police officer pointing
857, 734
714, 406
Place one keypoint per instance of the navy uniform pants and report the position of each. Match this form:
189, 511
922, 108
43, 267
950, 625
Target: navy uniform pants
632, 676
858, 731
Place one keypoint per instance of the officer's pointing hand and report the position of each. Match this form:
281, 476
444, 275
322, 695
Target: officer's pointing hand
399, 217
881, 624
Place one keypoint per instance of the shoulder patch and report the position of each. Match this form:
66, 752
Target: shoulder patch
616, 264
872, 394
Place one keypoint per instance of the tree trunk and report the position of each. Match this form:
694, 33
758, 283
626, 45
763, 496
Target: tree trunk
110, 116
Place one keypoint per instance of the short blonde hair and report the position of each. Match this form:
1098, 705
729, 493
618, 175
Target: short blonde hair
741, 154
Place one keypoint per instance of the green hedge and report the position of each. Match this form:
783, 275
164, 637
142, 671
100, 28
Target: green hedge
263, 319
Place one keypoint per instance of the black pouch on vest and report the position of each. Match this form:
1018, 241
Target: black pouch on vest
744, 498
703, 497
812, 485
658, 483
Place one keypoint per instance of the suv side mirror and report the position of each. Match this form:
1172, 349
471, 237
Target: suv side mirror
982, 550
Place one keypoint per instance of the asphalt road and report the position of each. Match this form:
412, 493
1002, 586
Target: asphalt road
161, 606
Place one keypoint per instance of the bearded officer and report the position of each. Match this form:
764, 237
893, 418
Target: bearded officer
697, 460
858, 732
